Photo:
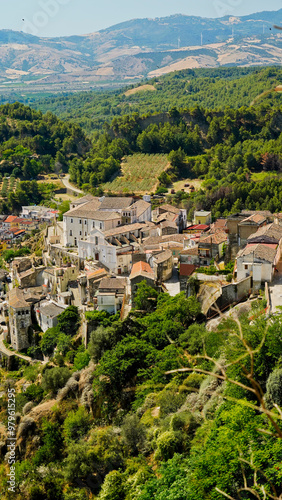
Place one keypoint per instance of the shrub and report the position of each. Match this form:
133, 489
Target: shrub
55, 379
274, 387
133, 433
167, 444
76, 425
113, 487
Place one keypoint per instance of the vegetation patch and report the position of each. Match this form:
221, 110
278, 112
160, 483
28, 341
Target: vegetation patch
139, 173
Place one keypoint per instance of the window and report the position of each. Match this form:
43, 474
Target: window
80, 233
101, 225
71, 221
118, 222
85, 222
101, 300
93, 224
70, 232
96, 240
246, 266
85, 233
79, 221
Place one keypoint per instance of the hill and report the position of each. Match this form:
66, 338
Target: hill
137, 49
210, 88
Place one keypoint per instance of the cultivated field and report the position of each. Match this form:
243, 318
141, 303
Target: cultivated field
140, 174
7, 185
141, 88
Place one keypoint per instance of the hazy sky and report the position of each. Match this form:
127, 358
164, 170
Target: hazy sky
69, 17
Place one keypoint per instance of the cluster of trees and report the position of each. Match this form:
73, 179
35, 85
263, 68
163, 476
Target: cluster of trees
32, 143
212, 88
166, 409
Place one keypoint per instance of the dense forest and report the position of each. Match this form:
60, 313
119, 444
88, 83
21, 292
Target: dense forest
234, 151
208, 88
32, 144
156, 407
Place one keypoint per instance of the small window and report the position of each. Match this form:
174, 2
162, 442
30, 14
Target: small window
71, 221
246, 266
80, 221
101, 225
118, 222
80, 233
85, 222
93, 224
85, 233
70, 232
101, 300
96, 240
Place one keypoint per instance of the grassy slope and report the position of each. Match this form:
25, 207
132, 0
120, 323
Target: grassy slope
140, 174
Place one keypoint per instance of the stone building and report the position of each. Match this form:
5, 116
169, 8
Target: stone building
19, 319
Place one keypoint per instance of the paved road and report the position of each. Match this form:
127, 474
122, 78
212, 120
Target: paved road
173, 285
7, 351
68, 185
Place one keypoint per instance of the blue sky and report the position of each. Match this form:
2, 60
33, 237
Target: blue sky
74, 17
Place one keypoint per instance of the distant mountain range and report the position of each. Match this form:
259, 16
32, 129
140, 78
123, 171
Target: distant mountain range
141, 48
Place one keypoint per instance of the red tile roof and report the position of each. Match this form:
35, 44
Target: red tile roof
11, 218
198, 227
186, 269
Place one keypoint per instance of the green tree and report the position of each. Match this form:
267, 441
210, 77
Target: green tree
69, 321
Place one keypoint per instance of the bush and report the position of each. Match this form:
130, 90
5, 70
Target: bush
167, 444
113, 487
55, 379
76, 425
274, 387
133, 433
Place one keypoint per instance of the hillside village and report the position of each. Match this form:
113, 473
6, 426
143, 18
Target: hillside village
105, 247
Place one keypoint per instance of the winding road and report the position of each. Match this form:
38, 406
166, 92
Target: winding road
66, 181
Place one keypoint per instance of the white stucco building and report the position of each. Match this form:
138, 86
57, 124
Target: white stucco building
103, 213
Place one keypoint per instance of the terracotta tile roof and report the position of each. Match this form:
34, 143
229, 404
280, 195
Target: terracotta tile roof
190, 251
186, 269
10, 218
85, 210
198, 227
112, 284
124, 229
82, 200
270, 230
141, 207
214, 238
257, 218
170, 208
141, 268
162, 256
219, 224
16, 299
259, 251
115, 203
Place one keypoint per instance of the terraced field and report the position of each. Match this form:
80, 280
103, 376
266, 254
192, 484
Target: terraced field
139, 174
